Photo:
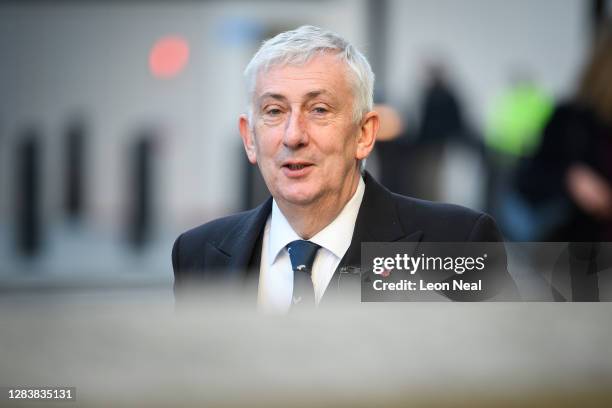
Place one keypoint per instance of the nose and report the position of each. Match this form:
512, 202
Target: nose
295, 131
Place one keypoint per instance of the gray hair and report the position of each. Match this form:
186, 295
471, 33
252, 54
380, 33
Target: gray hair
299, 46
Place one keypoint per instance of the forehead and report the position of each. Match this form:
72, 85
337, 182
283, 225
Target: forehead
322, 72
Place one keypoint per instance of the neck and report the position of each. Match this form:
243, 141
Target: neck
308, 220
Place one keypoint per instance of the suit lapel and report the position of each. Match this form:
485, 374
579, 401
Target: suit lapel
377, 221
240, 250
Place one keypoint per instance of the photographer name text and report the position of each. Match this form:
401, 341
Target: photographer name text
409, 285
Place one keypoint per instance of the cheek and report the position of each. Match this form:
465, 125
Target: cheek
265, 142
348, 145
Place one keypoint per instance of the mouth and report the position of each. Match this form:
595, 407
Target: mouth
296, 166
296, 169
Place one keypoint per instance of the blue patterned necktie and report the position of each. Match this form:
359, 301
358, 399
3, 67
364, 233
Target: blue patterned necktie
302, 254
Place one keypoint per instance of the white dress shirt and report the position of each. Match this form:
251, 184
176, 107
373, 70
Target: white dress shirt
275, 273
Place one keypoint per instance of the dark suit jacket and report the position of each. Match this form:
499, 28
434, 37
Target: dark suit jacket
229, 248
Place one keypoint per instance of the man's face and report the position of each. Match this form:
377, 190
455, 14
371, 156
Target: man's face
303, 136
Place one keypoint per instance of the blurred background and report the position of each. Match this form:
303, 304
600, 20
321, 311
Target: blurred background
118, 120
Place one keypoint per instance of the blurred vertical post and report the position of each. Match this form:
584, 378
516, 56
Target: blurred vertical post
140, 190
74, 169
377, 48
27, 193
597, 16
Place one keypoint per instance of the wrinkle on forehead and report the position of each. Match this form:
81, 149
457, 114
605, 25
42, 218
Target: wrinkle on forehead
320, 79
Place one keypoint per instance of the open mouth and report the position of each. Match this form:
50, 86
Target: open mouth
297, 170
296, 166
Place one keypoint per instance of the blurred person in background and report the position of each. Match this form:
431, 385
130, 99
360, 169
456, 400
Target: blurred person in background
514, 129
441, 124
442, 115
517, 119
310, 125
571, 171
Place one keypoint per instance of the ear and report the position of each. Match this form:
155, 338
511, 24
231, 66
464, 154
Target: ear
247, 138
367, 135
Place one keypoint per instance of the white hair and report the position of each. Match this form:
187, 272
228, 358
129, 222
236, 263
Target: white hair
298, 47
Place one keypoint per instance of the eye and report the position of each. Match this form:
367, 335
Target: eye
273, 111
319, 110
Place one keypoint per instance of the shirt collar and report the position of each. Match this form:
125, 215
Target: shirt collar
335, 237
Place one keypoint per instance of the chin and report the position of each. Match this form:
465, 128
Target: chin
298, 197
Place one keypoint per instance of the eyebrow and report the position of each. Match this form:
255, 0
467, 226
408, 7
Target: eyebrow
272, 95
319, 92
310, 95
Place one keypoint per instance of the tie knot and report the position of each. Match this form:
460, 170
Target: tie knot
302, 254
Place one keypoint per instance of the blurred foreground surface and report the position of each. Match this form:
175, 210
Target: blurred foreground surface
134, 347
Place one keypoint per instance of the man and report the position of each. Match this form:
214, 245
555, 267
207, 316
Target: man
310, 126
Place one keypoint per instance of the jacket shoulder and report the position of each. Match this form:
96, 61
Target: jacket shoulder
214, 231
188, 246
446, 222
